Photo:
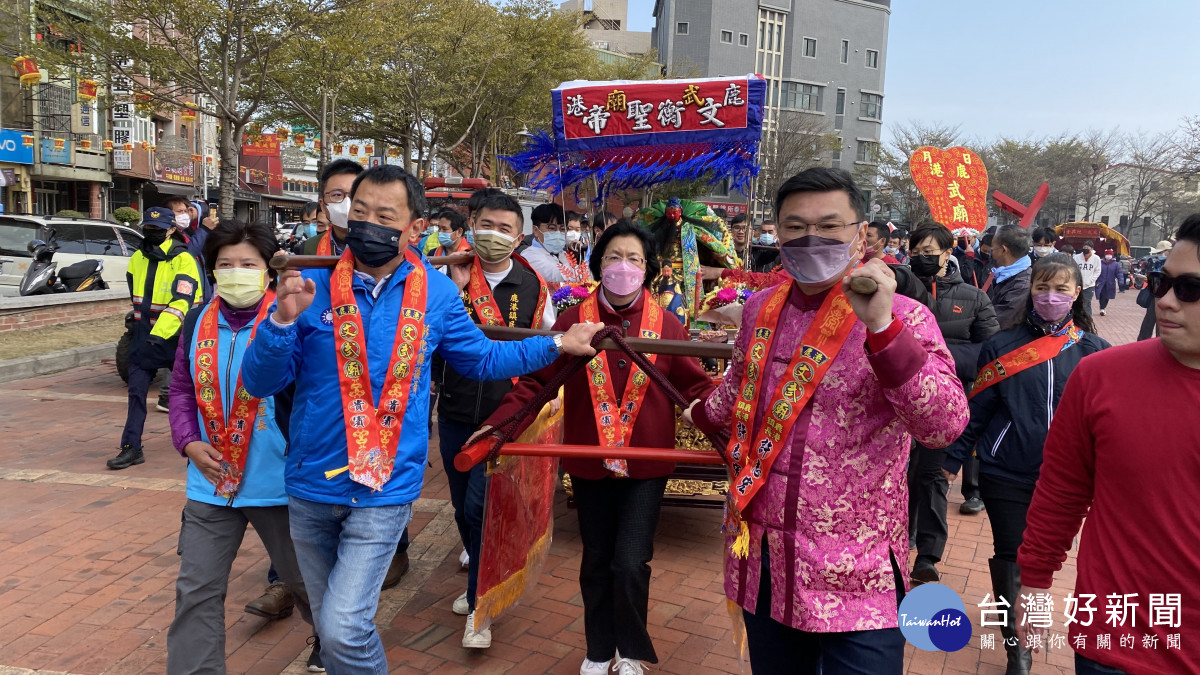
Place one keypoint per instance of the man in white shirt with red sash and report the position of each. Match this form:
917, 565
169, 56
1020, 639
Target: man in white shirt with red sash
825, 392
362, 334
500, 289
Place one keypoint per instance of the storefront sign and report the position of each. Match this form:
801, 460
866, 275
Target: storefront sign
731, 209
122, 160
183, 174
55, 155
12, 149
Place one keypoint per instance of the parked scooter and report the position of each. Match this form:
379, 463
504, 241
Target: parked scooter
40, 278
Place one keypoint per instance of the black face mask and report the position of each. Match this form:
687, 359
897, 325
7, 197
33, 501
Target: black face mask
153, 237
985, 258
372, 245
925, 266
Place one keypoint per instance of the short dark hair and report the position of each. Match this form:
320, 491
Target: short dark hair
1068, 249
572, 216
607, 216
547, 213
720, 213
1189, 230
739, 218
1014, 238
458, 222
477, 198
310, 209
175, 199
1045, 234
987, 239
942, 236
502, 202
1089, 244
230, 232
337, 167
625, 228
1050, 266
880, 228
382, 174
824, 179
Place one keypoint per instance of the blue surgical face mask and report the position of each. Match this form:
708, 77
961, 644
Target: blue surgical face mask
445, 238
554, 242
766, 240
310, 230
470, 238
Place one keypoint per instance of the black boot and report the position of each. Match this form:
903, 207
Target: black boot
128, 456
1006, 583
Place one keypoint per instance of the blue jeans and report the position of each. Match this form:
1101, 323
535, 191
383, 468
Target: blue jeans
1086, 666
344, 553
467, 492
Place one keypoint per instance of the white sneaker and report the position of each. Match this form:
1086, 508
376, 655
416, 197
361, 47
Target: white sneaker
629, 667
461, 607
591, 667
464, 559
483, 639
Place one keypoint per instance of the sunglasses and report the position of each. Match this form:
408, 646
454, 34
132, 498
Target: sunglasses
1187, 289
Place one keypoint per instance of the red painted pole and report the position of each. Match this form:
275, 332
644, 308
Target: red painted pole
474, 454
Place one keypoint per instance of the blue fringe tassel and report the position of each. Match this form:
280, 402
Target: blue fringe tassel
635, 168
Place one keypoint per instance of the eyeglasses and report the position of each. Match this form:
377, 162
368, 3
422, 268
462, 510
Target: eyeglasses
822, 229
635, 260
335, 196
1187, 289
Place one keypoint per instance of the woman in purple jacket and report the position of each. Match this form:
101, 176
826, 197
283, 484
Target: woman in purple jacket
1106, 284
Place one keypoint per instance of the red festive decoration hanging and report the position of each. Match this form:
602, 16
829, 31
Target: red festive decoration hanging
27, 70
87, 90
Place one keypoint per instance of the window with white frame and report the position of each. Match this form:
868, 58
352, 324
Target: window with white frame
681, 28
868, 152
810, 47
727, 37
743, 40
870, 106
798, 96
840, 106
845, 51
872, 58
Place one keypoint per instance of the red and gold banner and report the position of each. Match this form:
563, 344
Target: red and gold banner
954, 183
265, 145
518, 520
27, 70
87, 90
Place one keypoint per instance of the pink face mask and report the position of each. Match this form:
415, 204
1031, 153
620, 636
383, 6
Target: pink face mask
622, 278
1052, 307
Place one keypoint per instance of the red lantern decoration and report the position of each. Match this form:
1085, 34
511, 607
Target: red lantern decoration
128, 147
299, 139
87, 90
85, 144
370, 150
208, 159
60, 143
317, 144
145, 145
282, 134
197, 158
188, 113
27, 140
393, 152
354, 150
337, 148
27, 70
108, 146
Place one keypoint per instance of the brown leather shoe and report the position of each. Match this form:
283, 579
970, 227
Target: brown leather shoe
276, 603
396, 571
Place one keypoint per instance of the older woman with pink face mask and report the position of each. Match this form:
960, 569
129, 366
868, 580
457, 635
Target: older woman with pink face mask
618, 501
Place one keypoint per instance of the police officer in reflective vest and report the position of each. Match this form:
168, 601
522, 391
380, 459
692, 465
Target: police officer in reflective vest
164, 283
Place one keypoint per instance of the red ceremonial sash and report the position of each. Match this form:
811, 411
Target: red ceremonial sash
615, 417
751, 460
479, 294
232, 440
325, 245
458, 248
373, 433
1022, 358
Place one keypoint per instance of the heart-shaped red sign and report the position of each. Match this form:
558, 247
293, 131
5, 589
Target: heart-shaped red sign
954, 183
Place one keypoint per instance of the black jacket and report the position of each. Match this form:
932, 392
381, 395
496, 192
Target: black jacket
1011, 299
468, 401
1009, 419
967, 319
973, 272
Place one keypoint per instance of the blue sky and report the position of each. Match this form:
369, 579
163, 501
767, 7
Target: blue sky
1035, 67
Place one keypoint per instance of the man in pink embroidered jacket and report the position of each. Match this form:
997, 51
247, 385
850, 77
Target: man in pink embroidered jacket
829, 526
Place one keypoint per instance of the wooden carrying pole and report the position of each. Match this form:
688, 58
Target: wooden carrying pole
703, 350
474, 454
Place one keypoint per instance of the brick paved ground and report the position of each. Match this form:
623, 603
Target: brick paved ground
86, 579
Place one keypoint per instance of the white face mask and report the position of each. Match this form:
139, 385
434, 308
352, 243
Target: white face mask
1043, 251
572, 236
182, 221
240, 287
554, 242
339, 213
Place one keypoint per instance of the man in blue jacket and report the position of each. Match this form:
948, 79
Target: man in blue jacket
362, 335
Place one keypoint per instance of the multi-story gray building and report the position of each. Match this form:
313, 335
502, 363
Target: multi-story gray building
823, 59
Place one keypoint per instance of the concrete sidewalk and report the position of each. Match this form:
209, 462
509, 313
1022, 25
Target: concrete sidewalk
87, 579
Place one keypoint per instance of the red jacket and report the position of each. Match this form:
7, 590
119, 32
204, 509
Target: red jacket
655, 425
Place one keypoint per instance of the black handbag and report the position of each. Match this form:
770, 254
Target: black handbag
1145, 298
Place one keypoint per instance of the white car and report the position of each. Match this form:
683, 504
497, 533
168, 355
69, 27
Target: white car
78, 239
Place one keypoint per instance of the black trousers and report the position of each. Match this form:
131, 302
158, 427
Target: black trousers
776, 649
1149, 327
927, 489
1007, 503
617, 520
135, 416
970, 478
